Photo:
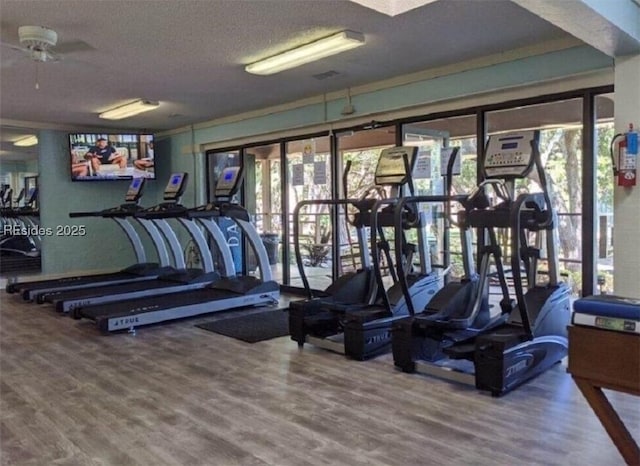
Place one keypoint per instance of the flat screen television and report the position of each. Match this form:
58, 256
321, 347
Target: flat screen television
104, 156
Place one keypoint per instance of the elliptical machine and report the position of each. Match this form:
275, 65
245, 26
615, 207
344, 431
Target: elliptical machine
454, 340
359, 325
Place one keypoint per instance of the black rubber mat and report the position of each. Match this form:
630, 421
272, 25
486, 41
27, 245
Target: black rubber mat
252, 328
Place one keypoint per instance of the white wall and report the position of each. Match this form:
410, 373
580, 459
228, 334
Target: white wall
626, 250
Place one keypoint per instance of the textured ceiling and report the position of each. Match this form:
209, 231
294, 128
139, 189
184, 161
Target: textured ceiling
10, 152
189, 54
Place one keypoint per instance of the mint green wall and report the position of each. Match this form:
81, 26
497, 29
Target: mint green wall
13, 166
519, 72
104, 246
32, 166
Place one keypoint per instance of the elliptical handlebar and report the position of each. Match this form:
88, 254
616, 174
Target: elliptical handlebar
374, 249
479, 199
377, 189
407, 168
345, 178
543, 184
398, 221
296, 233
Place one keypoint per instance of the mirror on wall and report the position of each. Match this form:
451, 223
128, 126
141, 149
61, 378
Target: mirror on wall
20, 243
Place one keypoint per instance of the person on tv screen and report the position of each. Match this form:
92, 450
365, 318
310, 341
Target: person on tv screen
145, 162
78, 167
103, 153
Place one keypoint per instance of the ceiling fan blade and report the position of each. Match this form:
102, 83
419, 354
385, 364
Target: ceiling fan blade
6, 45
74, 46
50, 57
7, 63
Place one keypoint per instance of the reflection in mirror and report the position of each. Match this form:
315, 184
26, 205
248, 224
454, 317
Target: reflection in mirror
20, 242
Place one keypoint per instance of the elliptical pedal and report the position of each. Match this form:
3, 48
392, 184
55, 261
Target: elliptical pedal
462, 351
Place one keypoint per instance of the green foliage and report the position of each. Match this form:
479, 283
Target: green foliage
562, 156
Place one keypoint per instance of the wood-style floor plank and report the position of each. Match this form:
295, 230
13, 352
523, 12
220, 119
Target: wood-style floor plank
178, 395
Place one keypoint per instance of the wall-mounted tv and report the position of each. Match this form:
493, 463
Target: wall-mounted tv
104, 156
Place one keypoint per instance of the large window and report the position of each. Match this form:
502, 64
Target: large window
264, 188
604, 192
432, 137
308, 168
286, 172
358, 150
560, 126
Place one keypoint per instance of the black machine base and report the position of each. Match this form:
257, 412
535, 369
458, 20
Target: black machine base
506, 359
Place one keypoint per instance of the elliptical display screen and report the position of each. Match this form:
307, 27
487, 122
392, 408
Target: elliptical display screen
392, 165
510, 155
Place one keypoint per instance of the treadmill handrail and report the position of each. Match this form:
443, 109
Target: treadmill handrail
84, 214
156, 239
172, 240
134, 238
120, 217
201, 242
177, 211
219, 240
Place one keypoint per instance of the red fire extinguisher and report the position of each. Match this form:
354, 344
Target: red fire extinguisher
625, 157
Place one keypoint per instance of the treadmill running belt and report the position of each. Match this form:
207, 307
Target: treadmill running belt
252, 328
109, 290
89, 280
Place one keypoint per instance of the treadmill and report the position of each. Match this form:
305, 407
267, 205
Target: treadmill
181, 279
140, 271
20, 234
225, 294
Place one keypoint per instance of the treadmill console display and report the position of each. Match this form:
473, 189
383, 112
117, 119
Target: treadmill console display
176, 186
510, 155
135, 190
391, 169
229, 182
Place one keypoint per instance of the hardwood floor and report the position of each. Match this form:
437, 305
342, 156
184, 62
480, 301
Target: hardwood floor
178, 395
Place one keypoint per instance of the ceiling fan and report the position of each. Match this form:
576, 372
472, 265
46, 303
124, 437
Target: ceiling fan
37, 43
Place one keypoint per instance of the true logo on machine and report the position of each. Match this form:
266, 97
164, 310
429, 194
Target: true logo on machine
517, 367
379, 338
127, 321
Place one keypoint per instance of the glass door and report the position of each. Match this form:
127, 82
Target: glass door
358, 150
560, 126
431, 137
263, 193
428, 181
309, 177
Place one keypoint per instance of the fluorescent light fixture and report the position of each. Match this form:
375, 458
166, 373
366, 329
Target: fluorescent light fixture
128, 110
307, 53
30, 140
